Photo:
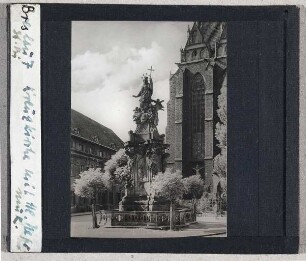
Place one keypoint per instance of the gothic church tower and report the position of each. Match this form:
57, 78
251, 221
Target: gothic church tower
194, 89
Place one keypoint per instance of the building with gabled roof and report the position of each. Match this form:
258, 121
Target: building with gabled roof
92, 144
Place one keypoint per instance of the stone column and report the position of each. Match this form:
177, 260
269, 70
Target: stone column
178, 131
209, 124
178, 136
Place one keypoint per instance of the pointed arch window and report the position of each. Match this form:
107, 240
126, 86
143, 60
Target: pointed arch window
198, 103
197, 117
193, 36
194, 54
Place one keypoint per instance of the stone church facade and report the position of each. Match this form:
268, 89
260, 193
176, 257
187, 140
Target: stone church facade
194, 89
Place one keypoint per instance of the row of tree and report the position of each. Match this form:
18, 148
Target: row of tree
170, 186
116, 173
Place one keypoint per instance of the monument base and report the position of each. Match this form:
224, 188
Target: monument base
142, 203
159, 205
146, 219
134, 203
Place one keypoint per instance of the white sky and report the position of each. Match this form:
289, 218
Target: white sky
108, 60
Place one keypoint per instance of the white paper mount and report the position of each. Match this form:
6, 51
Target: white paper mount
25, 129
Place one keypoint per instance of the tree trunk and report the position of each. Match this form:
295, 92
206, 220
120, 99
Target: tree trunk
93, 211
108, 204
94, 215
194, 208
114, 197
171, 216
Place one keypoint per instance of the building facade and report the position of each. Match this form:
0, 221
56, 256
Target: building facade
92, 144
194, 89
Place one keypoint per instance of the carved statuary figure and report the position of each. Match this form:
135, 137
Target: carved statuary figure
197, 169
145, 94
183, 55
155, 108
146, 115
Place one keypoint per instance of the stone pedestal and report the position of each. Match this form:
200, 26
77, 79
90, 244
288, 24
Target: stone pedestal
148, 157
158, 205
135, 199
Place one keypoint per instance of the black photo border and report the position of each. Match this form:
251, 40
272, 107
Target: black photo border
262, 184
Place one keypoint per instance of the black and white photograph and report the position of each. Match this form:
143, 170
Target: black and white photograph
148, 129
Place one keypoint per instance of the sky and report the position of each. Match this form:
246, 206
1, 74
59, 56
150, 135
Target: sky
108, 61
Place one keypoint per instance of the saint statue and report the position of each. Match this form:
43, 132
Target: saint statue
183, 55
146, 115
145, 94
197, 169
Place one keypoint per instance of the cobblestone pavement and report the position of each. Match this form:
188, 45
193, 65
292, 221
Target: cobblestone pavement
81, 226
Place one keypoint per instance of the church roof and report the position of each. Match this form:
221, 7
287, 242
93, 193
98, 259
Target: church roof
89, 129
211, 32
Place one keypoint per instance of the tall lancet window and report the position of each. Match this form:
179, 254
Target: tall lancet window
197, 117
194, 37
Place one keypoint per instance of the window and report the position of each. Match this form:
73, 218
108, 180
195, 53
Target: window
193, 36
86, 149
197, 116
95, 139
76, 131
194, 54
198, 102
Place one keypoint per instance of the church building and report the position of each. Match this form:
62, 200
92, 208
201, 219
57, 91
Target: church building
192, 108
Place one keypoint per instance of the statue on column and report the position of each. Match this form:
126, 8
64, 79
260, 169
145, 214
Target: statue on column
146, 148
146, 115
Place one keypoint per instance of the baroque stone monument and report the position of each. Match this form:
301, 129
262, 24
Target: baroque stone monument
147, 151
